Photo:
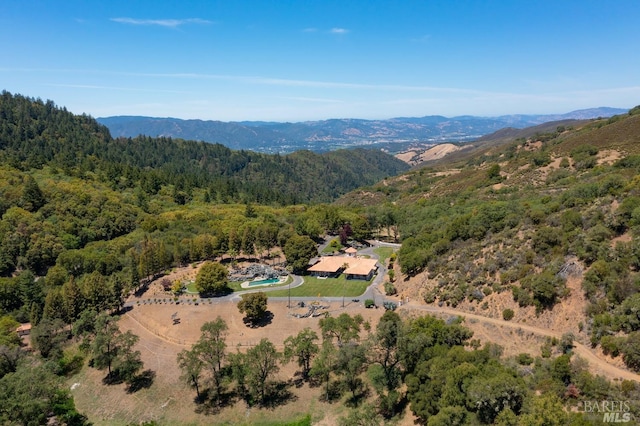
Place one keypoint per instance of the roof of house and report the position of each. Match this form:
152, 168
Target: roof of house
330, 264
361, 266
355, 265
24, 327
351, 250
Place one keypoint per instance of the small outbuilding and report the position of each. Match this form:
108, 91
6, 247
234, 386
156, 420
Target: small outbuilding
350, 251
24, 329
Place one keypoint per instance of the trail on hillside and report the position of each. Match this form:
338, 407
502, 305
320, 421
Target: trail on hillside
600, 366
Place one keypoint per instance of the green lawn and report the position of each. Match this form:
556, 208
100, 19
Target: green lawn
384, 253
333, 247
332, 287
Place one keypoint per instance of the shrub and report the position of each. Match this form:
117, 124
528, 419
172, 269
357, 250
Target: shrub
390, 289
524, 359
369, 303
611, 345
521, 296
476, 295
430, 297
390, 306
508, 314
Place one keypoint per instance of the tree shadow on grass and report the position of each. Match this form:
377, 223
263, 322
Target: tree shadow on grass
124, 309
330, 395
298, 380
112, 378
211, 404
219, 293
277, 394
140, 381
265, 320
360, 395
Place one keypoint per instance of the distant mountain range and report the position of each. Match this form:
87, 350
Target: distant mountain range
328, 135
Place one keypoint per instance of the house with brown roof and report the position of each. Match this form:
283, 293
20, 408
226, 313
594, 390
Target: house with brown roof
354, 267
329, 266
361, 269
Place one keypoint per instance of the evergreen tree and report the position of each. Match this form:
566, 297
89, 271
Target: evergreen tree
32, 198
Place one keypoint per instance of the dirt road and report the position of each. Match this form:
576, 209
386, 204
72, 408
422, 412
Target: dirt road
598, 365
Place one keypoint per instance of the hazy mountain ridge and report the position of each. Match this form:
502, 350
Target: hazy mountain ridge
34, 133
327, 135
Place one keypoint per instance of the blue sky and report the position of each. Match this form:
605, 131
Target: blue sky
310, 60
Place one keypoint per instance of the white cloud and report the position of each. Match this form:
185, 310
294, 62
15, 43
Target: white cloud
338, 31
168, 23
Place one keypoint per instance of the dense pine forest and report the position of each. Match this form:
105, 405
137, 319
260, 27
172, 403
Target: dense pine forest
87, 219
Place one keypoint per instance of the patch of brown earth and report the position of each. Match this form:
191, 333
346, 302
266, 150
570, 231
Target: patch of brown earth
417, 156
608, 156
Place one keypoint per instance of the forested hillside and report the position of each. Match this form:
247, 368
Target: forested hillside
35, 133
77, 204
85, 219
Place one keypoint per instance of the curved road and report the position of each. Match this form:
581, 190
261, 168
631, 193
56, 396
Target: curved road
603, 367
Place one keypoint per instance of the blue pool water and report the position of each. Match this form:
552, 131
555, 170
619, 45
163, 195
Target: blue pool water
264, 282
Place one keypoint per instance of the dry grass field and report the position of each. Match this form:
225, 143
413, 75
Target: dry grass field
169, 401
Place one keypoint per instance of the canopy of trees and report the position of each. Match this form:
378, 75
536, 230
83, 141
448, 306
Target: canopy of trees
254, 307
212, 278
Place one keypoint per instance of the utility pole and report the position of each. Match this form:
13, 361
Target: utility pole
344, 283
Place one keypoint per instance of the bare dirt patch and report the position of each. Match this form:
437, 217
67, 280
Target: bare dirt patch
417, 156
438, 151
608, 156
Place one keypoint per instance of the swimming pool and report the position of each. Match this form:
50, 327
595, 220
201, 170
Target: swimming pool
264, 282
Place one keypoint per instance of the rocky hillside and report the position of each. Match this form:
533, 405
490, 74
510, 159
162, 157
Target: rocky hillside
545, 226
